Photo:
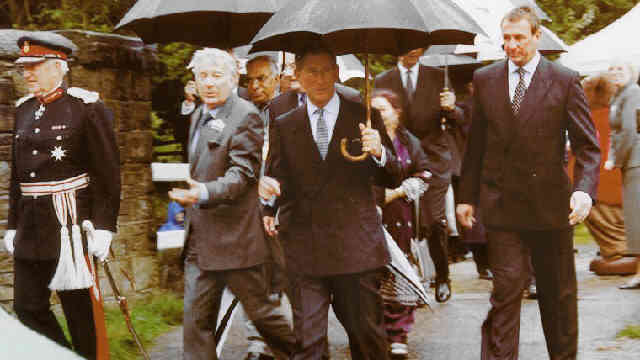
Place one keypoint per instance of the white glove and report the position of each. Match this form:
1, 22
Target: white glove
8, 240
413, 188
580, 205
101, 243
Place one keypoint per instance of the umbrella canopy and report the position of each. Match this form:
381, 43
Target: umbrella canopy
371, 26
219, 23
438, 60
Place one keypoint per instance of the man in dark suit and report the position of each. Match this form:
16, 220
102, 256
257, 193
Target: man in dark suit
425, 104
514, 170
332, 236
225, 243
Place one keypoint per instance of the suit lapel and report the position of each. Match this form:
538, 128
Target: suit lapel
196, 117
344, 128
304, 137
536, 92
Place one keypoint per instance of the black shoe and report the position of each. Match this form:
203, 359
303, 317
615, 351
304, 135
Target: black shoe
634, 283
532, 292
443, 291
258, 356
486, 274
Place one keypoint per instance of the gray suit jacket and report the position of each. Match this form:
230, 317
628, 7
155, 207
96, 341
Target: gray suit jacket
227, 230
624, 148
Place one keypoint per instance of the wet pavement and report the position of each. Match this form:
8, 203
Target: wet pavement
452, 330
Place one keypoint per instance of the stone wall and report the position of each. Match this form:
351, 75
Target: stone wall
120, 69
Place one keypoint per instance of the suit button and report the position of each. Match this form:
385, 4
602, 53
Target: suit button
32, 174
35, 152
36, 130
18, 136
534, 174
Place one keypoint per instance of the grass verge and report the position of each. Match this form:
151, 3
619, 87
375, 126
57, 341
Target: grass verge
631, 331
152, 316
581, 235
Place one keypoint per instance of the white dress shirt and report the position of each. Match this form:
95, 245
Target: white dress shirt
331, 110
529, 71
414, 74
330, 116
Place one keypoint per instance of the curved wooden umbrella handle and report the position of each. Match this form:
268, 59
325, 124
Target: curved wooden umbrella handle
345, 152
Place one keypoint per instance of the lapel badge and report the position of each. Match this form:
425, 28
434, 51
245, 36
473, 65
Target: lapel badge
216, 124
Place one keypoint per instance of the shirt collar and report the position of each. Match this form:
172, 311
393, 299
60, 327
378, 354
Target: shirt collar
529, 67
332, 107
414, 68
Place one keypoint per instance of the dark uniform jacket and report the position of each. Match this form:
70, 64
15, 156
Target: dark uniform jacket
84, 132
227, 231
423, 116
328, 220
514, 168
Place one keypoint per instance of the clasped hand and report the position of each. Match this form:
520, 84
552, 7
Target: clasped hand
371, 142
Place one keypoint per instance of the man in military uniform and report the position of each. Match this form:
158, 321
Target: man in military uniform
65, 173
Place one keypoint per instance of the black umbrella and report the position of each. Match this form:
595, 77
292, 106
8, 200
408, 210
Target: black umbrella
366, 26
219, 23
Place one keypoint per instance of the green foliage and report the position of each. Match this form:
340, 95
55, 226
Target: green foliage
581, 235
573, 20
631, 331
151, 316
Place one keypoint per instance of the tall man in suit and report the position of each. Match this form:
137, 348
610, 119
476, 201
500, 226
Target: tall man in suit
333, 240
425, 105
225, 244
514, 170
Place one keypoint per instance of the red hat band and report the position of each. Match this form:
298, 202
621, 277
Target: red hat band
32, 50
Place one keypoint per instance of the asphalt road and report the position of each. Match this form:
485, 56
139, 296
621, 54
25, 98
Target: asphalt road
452, 330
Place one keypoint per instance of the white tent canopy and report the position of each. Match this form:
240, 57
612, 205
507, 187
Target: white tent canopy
594, 53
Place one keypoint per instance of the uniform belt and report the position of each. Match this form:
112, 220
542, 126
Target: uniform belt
55, 187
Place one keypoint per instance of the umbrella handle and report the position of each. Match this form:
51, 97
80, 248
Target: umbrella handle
367, 101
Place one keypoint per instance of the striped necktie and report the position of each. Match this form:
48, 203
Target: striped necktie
409, 90
519, 94
322, 133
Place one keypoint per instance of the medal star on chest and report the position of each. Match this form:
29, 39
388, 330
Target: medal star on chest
57, 153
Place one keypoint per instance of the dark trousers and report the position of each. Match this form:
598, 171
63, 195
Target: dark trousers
202, 295
357, 304
434, 203
553, 261
31, 304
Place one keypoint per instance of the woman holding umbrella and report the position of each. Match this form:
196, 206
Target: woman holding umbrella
397, 216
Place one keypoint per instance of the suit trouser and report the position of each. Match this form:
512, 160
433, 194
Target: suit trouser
31, 304
357, 304
434, 201
202, 295
553, 261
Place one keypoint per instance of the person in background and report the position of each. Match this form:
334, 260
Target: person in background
424, 105
606, 220
397, 214
624, 152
